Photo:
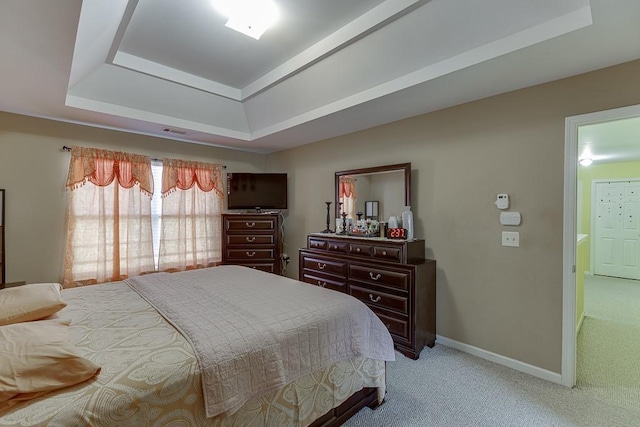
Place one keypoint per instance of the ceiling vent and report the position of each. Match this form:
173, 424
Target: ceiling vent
175, 131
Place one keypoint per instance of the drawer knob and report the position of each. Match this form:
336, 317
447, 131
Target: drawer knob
322, 284
376, 299
250, 224
250, 253
250, 239
358, 250
321, 266
376, 277
384, 253
335, 247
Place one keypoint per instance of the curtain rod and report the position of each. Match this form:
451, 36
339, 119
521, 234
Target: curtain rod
68, 149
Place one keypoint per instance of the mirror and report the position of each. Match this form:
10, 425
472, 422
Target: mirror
389, 187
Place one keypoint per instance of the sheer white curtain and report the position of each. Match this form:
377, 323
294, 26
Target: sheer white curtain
192, 206
109, 217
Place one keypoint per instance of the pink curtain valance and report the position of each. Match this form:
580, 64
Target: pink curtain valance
102, 167
347, 187
184, 174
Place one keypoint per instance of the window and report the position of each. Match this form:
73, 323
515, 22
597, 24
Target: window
109, 218
156, 209
119, 227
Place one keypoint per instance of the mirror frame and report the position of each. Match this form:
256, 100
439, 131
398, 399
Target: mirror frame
405, 167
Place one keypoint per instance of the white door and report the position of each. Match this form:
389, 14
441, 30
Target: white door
617, 229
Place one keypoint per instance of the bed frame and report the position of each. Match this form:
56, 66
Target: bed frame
368, 396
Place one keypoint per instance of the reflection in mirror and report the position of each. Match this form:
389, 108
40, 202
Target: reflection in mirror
389, 186
371, 209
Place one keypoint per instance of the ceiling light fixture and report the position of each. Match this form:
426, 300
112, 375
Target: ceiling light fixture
249, 17
587, 161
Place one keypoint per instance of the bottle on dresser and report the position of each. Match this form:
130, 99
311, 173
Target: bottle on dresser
407, 221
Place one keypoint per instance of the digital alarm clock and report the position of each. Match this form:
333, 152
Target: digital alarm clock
396, 233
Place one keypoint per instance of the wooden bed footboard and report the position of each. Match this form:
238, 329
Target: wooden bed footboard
368, 396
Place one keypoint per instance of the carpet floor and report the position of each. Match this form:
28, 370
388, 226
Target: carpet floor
609, 342
447, 387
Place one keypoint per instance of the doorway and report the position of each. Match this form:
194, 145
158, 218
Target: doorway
570, 234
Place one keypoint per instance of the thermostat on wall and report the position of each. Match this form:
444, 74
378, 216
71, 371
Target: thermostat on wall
502, 201
510, 218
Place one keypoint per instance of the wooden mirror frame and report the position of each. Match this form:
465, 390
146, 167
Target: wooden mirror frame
405, 167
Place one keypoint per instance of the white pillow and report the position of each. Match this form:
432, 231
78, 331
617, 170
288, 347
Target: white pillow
30, 302
38, 357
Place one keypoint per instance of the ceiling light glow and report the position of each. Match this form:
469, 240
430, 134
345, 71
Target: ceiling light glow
250, 17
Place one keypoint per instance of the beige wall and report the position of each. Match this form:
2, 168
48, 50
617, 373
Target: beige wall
504, 300
33, 170
500, 299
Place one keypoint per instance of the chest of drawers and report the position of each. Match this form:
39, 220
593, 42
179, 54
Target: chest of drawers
252, 240
392, 277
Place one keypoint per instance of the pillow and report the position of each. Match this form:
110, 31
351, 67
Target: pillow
30, 302
38, 357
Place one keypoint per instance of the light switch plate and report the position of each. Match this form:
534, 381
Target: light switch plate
511, 238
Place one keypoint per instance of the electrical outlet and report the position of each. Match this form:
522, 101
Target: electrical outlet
511, 238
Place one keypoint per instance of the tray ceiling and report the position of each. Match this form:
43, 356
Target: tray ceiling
172, 69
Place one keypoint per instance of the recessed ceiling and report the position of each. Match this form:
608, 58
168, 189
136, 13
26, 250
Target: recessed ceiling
327, 68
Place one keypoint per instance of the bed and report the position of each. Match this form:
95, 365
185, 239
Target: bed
327, 360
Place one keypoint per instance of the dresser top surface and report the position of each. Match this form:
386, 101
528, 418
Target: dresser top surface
369, 239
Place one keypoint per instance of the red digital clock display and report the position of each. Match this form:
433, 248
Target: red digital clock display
396, 233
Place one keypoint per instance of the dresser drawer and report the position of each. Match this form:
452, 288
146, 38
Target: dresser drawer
396, 324
337, 246
333, 283
249, 254
360, 249
248, 240
246, 224
385, 277
318, 243
269, 268
380, 299
324, 265
390, 253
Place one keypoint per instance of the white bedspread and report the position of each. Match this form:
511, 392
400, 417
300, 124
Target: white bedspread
254, 332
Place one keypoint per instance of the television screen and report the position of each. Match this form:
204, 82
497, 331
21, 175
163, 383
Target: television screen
257, 191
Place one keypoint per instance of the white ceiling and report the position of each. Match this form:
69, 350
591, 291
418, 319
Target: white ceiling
612, 141
328, 68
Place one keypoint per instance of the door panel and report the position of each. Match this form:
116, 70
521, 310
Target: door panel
617, 229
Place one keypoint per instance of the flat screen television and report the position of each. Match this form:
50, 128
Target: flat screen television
257, 191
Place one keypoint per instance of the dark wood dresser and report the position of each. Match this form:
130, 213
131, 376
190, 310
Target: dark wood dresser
392, 277
252, 240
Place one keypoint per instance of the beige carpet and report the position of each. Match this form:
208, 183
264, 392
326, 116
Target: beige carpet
609, 342
448, 388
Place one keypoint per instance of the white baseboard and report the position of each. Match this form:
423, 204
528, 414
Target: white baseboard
501, 360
